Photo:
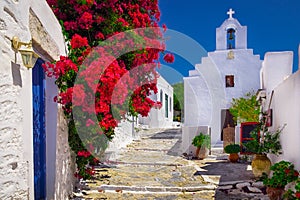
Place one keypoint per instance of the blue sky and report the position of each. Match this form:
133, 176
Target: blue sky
273, 25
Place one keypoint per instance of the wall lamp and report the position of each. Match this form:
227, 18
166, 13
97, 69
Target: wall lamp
29, 57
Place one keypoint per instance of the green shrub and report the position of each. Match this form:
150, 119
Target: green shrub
201, 140
232, 148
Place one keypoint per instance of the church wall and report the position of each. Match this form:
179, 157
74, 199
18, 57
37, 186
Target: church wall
286, 110
245, 67
198, 106
25, 19
206, 94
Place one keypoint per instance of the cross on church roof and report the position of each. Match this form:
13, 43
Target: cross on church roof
230, 13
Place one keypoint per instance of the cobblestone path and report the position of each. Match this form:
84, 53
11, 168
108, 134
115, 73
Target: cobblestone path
152, 168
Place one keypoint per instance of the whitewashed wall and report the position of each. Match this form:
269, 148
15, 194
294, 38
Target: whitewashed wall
26, 19
276, 67
277, 75
64, 180
124, 134
189, 132
156, 117
286, 110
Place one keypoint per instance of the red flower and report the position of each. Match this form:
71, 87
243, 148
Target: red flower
296, 173
99, 35
164, 27
297, 194
77, 41
83, 154
123, 22
70, 25
86, 20
169, 58
287, 171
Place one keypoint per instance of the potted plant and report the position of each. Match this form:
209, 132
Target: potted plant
267, 143
233, 150
202, 142
282, 173
293, 194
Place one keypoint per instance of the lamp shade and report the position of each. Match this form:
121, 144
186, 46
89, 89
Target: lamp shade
28, 57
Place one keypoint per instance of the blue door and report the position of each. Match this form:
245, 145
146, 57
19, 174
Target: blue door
39, 133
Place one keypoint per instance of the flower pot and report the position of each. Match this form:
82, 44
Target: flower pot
233, 157
275, 193
201, 152
260, 164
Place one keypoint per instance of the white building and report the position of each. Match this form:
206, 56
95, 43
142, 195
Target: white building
163, 117
277, 77
35, 156
231, 71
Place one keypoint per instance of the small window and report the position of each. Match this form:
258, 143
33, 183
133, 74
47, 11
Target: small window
166, 106
229, 81
170, 104
161, 97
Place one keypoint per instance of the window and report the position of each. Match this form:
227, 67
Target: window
161, 97
229, 80
170, 104
166, 106
231, 38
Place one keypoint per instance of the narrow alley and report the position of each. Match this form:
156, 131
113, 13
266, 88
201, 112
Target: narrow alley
152, 168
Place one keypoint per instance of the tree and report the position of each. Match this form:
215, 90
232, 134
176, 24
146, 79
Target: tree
245, 109
178, 96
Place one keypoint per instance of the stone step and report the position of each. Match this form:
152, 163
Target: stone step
140, 195
153, 189
137, 164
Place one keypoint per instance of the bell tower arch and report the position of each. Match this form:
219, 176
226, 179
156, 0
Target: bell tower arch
231, 35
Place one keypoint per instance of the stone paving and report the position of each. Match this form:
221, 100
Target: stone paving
152, 168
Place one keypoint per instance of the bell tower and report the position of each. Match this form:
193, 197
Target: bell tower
231, 35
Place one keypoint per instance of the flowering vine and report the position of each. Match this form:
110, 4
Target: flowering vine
99, 66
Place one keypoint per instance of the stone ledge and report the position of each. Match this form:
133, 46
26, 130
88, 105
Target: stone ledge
154, 188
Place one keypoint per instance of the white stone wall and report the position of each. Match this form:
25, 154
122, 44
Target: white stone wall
157, 117
276, 67
64, 163
286, 110
124, 134
28, 20
277, 75
14, 166
189, 132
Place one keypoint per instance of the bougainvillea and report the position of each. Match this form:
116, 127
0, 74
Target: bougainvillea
87, 25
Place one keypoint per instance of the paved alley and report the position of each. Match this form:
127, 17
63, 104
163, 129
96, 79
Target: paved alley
152, 167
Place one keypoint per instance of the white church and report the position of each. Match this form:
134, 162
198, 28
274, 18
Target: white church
231, 71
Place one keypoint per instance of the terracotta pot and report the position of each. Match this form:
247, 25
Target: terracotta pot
197, 152
275, 193
201, 152
260, 164
233, 157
